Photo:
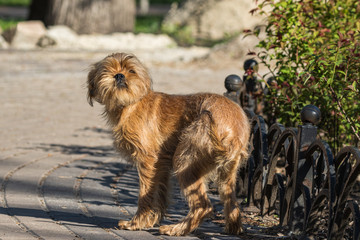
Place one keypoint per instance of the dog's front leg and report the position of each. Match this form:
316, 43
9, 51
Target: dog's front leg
147, 214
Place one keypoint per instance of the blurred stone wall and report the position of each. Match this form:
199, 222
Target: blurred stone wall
213, 19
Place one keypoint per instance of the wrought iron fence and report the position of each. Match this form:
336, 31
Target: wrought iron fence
294, 174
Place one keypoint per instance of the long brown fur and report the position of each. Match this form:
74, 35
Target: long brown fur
193, 136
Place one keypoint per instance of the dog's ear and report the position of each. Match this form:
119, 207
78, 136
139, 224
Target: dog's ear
89, 98
91, 85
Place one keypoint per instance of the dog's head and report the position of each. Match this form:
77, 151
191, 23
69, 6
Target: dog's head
118, 80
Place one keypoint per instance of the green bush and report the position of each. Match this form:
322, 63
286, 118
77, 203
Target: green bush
148, 24
182, 34
313, 51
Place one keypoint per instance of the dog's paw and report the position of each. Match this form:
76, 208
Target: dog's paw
173, 230
122, 224
128, 225
233, 224
139, 222
234, 229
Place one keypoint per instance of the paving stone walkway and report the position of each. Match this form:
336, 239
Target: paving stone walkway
59, 175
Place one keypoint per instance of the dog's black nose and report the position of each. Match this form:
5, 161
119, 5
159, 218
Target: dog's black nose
119, 77
120, 80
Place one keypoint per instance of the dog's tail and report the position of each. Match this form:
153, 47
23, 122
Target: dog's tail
226, 155
218, 146
201, 140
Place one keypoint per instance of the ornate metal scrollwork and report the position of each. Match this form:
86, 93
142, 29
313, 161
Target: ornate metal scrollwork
293, 174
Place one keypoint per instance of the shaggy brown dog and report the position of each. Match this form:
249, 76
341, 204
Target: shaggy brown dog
193, 136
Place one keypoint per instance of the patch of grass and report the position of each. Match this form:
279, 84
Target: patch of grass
8, 23
148, 24
24, 3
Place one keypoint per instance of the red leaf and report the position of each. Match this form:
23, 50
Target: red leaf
324, 30
341, 36
272, 46
302, 23
286, 84
252, 11
320, 24
288, 98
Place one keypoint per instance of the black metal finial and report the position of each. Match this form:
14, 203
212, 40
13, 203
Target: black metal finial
310, 114
233, 83
251, 64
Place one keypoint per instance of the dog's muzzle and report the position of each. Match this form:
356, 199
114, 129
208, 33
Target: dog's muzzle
120, 80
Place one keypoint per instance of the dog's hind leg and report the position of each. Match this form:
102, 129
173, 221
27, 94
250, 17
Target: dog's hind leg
192, 163
226, 178
199, 204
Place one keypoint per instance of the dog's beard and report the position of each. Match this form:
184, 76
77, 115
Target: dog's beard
113, 94
127, 94
121, 85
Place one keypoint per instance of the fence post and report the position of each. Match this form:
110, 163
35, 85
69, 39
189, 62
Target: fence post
307, 132
233, 85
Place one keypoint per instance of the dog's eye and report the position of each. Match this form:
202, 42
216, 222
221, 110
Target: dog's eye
131, 71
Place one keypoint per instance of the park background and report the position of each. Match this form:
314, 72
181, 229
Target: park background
311, 47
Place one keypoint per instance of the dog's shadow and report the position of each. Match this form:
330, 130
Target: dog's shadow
95, 151
128, 189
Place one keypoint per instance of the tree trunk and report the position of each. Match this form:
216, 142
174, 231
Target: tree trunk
144, 6
39, 10
86, 16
